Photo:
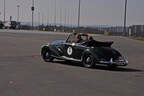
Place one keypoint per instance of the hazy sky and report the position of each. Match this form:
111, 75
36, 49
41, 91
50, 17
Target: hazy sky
92, 11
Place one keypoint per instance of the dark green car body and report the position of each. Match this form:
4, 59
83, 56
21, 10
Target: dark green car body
98, 52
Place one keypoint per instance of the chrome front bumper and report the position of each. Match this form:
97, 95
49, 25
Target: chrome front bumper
118, 62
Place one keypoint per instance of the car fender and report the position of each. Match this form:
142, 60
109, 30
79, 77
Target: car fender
43, 48
90, 51
50, 48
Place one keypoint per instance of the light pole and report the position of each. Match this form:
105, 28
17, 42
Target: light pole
65, 20
55, 15
32, 8
4, 10
18, 6
79, 9
125, 17
0, 14
39, 20
60, 21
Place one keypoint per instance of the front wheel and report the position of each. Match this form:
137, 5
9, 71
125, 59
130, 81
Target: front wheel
88, 61
46, 55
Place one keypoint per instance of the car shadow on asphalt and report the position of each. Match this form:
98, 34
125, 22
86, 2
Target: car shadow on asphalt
98, 67
118, 69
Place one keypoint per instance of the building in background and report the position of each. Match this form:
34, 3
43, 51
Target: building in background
136, 30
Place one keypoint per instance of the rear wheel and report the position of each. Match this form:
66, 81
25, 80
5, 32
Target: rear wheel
46, 55
88, 61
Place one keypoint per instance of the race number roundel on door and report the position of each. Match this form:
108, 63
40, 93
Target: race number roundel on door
69, 51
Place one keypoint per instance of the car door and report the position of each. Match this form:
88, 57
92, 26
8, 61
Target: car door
68, 50
73, 51
79, 49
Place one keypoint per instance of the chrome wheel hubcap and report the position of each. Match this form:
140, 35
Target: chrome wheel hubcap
47, 54
88, 60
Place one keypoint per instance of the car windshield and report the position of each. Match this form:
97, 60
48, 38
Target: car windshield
71, 38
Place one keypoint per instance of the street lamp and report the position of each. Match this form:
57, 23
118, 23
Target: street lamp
39, 20
79, 9
4, 10
55, 23
18, 6
32, 8
0, 14
125, 17
65, 20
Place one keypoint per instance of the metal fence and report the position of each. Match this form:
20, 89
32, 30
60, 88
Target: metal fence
136, 30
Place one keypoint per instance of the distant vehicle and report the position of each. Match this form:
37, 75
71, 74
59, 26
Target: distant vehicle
1, 25
7, 24
10, 24
13, 25
88, 52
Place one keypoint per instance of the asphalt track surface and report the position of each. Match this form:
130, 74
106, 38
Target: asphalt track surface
24, 73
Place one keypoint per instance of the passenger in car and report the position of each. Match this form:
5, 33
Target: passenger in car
79, 39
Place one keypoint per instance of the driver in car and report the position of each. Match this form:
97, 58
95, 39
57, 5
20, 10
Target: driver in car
79, 39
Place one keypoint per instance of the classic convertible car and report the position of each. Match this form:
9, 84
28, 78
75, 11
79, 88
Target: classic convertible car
88, 52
